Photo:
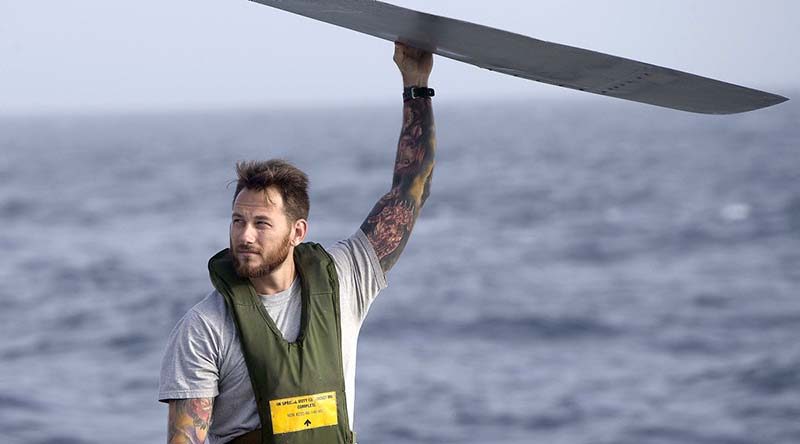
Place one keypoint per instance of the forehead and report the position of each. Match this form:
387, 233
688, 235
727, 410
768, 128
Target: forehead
267, 201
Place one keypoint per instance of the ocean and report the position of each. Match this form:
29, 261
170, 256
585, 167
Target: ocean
584, 272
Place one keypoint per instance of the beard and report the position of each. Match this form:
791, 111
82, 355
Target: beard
269, 260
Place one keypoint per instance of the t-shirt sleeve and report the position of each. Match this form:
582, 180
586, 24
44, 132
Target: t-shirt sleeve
360, 275
189, 368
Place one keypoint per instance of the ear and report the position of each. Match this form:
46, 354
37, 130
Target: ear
299, 230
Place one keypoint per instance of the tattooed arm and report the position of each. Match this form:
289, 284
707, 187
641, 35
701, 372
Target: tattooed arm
389, 224
189, 420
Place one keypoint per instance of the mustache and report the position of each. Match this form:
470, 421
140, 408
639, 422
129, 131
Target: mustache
246, 249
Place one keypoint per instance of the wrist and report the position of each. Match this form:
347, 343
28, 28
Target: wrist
415, 81
417, 92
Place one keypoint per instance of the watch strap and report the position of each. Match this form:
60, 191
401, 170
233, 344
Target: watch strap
415, 92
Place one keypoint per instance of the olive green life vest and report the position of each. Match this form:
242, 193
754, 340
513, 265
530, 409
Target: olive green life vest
299, 386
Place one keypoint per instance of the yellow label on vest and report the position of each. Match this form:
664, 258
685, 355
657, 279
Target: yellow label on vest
303, 412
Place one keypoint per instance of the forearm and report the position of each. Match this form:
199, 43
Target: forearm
189, 420
389, 225
416, 149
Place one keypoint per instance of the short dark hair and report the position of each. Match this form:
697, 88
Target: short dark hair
258, 175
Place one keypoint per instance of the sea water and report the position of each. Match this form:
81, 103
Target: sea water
590, 272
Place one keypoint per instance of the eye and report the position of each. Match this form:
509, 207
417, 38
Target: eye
262, 224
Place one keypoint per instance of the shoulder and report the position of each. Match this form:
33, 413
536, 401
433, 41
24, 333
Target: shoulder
212, 307
356, 255
190, 367
360, 275
207, 318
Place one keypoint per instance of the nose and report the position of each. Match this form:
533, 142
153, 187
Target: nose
244, 235
249, 234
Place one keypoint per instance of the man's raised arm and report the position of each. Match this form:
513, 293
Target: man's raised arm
389, 224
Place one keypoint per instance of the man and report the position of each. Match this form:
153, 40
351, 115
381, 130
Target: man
269, 356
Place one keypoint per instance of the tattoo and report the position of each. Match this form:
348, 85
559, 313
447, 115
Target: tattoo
392, 223
389, 224
189, 420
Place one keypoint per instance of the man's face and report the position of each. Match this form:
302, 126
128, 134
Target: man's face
261, 236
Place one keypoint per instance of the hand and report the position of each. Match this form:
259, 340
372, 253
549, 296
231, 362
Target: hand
415, 64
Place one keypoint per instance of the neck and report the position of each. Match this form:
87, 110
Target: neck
279, 279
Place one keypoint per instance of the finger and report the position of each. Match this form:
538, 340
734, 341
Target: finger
398, 52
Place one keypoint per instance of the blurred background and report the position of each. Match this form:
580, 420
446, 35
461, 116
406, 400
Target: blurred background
587, 270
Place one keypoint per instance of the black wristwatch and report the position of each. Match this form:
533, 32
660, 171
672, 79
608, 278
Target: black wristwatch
415, 92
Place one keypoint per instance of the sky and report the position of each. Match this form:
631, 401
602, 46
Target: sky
99, 55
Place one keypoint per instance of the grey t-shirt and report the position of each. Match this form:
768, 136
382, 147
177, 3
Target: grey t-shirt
203, 358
